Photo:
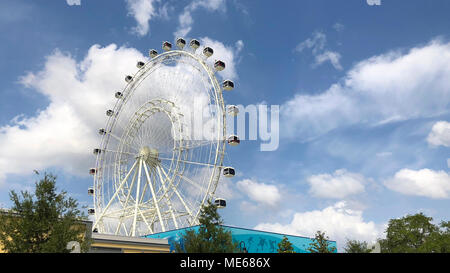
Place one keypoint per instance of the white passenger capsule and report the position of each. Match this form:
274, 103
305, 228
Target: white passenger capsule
219, 65
153, 53
166, 46
194, 44
220, 203
233, 110
140, 65
91, 191
208, 52
233, 140
128, 78
229, 172
228, 85
109, 113
181, 43
118, 95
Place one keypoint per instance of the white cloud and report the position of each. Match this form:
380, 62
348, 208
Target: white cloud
64, 134
73, 2
385, 88
338, 185
316, 43
143, 11
317, 46
440, 134
424, 182
331, 56
261, 193
185, 19
339, 222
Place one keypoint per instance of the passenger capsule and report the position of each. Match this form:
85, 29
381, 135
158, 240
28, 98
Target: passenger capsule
140, 65
233, 140
102, 131
181, 43
233, 110
194, 44
153, 53
91, 191
228, 85
228, 172
167, 46
219, 65
109, 113
97, 151
128, 78
118, 95
220, 203
92, 171
208, 52
91, 211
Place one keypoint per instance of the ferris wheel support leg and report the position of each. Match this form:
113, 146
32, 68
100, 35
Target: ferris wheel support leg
126, 204
168, 200
133, 231
179, 196
154, 198
115, 195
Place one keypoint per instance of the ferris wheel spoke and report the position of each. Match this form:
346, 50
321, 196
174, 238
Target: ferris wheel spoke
188, 162
120, 152
154, 197
190, 182
121, 141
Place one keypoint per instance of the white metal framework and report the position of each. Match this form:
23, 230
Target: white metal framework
151, 174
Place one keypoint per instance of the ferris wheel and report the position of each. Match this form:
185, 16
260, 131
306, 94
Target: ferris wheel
162, 150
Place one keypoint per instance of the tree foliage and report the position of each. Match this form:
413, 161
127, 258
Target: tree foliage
42, 222
355, 246
211, 237
416, 233
285, 246
321, 244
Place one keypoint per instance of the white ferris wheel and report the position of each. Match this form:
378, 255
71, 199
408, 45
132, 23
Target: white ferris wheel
158, 162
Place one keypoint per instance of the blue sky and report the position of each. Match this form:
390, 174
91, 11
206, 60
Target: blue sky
363, 94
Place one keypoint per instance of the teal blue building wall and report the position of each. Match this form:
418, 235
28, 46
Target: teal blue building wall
255, 241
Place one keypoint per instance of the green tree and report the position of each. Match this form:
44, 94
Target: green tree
414, 234
42, 222
285, 246
211, 237
354, 246
321, 244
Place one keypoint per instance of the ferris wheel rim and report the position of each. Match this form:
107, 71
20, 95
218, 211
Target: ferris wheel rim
138, 77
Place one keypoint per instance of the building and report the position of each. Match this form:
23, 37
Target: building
106, 243
254, 241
